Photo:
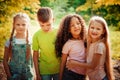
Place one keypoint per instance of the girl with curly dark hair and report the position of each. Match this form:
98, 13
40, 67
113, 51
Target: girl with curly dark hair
70, 45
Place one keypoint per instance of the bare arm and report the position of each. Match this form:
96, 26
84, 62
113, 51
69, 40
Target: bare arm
62, 65
35, 60
5, 62
92, 65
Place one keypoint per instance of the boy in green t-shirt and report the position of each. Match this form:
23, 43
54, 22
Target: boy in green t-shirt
46, 63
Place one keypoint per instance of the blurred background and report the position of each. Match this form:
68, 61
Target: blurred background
108, 9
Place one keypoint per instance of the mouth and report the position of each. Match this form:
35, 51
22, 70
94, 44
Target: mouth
94, 34
77, 30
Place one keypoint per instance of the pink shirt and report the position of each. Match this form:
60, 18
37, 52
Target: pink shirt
76, 51
96, 48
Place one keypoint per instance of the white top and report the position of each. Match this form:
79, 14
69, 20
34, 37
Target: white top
96, 48
76, 51
18, 41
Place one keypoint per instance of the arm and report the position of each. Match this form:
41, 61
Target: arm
5, 62
35, 60
92, 65
62, 65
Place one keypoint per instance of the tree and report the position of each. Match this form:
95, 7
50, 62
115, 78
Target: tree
108, 2
10, 7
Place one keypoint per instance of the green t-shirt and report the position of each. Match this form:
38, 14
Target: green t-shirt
45, 43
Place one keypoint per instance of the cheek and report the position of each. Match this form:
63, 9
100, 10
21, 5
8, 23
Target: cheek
89, 31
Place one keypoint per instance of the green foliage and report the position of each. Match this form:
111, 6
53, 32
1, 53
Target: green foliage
113, 15
111, 12
7, 9
45, 3
115, 41
75, 3
108, 2
59, 8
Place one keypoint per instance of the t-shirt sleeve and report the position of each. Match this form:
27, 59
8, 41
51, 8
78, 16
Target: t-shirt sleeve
7, 43
65, 49
35, 45
100, 48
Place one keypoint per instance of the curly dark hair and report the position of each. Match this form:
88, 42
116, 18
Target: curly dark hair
64, 34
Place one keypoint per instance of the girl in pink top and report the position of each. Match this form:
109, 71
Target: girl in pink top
98, 51
70, 45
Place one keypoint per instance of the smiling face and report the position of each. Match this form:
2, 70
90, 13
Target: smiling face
75, 27
96, 30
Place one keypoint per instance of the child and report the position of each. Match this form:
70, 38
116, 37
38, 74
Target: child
17, 56
70, 45
98, 53
46, 63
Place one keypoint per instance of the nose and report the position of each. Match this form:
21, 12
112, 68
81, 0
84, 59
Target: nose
94, 30
76, 26
20, 26
46, 27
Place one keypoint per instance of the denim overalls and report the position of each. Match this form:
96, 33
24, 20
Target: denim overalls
20, 68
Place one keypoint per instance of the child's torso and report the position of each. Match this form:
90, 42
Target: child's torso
76, 51
18, 62
97, 73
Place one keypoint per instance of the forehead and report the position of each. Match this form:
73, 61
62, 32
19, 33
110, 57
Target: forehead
20, 19
96, 24
47, 22
74, 19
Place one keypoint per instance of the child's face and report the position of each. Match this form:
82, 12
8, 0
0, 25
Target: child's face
46, 26
20, 25
96, 30
75, 27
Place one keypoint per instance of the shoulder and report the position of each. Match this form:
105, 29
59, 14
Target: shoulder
101, 44
100, 48
36, 33
68, 43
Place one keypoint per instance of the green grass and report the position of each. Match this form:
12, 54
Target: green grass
115, 44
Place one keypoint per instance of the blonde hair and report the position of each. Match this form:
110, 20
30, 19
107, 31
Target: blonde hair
25, 16
106, 40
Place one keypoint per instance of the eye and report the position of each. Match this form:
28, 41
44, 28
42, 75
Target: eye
91, 27
72, 25
78, 23
98, 29
18, 24
42, 25
23, 24
48, 24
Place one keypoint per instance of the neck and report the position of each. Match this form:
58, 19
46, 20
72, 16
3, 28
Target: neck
95, 40
21, 36
76, 38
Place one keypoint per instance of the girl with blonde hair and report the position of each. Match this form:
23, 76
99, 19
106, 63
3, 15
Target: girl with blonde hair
99, 65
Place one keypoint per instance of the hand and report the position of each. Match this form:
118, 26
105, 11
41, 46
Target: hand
71, 64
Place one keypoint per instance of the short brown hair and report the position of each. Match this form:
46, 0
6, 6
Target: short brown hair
44, 14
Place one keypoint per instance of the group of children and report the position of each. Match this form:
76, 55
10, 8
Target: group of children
68, 53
